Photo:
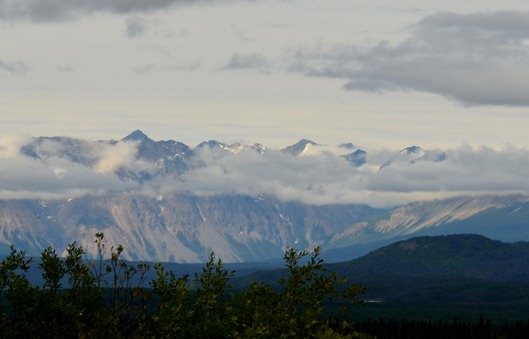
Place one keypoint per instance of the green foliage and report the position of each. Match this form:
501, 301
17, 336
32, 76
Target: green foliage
296, 310
53, 270
216, 316
172, 312
106, 298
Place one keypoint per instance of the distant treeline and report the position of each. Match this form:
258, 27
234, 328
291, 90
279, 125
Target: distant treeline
404, 329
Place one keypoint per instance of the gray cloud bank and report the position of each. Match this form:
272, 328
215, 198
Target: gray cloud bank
58, 10
325, 178
475, 59
321, 177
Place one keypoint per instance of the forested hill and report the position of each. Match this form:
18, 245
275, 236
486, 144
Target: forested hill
462, 276
450, 256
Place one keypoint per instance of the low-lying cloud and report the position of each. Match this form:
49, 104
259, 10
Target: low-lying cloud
26, 178
64, 168
328, 179
58, 174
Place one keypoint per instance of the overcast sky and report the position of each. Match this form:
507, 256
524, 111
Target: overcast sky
375, 73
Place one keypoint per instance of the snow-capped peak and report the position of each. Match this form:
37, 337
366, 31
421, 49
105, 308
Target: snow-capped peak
300, 147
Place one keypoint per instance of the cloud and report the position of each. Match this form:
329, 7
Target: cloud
464, 171
312, 179
64, 68
145, 69
64, 167
59, 10
247, 61
136, 27
23, 177
324, 178
16, 67
113, 156
475, 59
10, 144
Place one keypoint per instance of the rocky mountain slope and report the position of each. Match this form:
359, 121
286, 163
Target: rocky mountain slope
180, 228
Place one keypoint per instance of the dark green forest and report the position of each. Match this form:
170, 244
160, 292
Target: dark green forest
428, 287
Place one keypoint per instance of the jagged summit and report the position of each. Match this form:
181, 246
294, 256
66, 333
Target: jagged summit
137, 135
210, 144
298, 147
409, 154
232, 148
412, 150
357, 158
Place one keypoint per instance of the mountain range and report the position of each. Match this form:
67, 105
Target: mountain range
166, 201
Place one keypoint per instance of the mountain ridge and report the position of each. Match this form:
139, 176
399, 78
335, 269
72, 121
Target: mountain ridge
164, 200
